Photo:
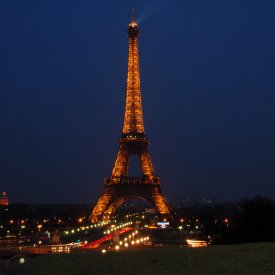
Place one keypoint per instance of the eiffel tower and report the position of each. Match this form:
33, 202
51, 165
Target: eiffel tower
120, 187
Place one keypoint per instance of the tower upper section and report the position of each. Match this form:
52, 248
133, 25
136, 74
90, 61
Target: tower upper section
133, 118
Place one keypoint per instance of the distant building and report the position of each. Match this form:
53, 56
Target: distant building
4, 199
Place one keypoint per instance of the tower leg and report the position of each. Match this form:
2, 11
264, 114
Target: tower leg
101, 206
160, 202
121, 164
146, 165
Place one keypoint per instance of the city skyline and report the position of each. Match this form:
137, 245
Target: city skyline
207, 86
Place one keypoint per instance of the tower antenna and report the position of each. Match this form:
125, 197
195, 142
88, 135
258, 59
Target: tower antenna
133, 12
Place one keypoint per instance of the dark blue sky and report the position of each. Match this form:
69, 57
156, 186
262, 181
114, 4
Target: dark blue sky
208, 89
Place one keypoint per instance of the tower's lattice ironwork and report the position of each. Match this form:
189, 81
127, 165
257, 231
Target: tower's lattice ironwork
120, 187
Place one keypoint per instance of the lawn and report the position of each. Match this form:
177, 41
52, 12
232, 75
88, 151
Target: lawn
224, 259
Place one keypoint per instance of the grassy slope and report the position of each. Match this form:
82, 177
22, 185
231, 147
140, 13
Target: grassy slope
232, 259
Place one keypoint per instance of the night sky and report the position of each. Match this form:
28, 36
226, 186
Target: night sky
208, 88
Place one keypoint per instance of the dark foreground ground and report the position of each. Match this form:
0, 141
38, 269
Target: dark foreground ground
228, 259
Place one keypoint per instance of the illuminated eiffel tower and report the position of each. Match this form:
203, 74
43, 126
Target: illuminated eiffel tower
120, 187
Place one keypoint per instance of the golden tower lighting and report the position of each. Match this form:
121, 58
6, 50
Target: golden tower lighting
120, 187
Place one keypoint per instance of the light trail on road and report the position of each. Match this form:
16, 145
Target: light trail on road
98, 242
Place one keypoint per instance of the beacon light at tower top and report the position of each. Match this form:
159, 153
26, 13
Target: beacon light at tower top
133, 24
